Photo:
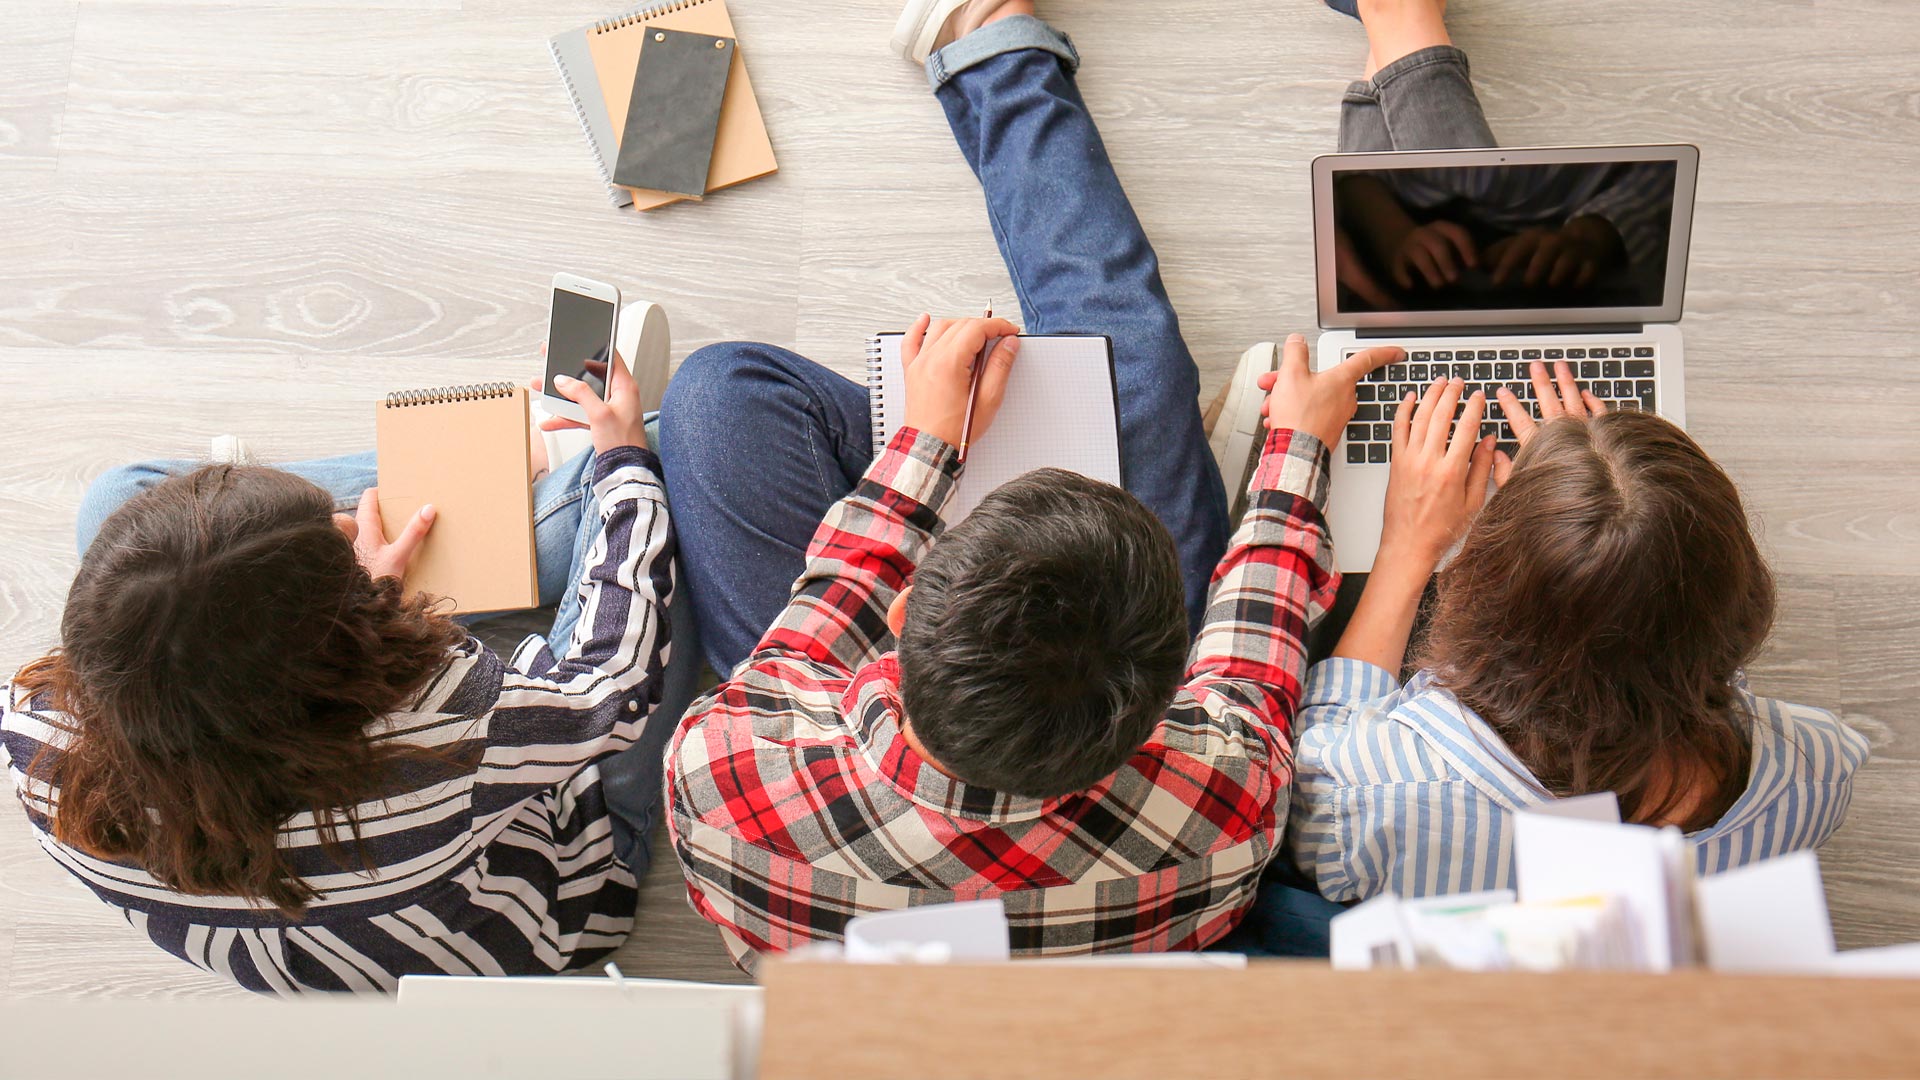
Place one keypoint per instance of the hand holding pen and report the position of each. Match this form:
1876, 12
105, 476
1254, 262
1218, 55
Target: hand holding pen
956, 372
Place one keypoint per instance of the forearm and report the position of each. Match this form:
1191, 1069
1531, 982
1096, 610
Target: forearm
1382, 621
623, 593
1276, 580
864, 552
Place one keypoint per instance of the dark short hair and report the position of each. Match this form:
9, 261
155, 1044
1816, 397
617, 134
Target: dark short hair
1045, 636
1599, 611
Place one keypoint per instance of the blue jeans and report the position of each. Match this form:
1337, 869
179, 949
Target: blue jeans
565, 524
759, 442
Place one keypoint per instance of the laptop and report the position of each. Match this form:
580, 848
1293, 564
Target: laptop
1478, 262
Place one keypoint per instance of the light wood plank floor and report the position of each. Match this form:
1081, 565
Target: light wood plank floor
253, 217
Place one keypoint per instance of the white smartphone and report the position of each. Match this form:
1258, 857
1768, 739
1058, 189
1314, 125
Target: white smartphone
580, 326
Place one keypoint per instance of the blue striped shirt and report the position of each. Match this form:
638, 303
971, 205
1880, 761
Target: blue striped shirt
1404, 790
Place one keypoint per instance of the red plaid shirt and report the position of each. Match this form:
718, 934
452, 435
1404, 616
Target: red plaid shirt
796, 804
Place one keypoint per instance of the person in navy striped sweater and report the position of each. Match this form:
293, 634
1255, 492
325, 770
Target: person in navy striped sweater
1589, 635
282, 768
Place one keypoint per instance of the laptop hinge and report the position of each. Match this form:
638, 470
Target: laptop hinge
1497, 331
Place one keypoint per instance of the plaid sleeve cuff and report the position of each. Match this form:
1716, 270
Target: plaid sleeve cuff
1296, 463
1344, 681
920, 466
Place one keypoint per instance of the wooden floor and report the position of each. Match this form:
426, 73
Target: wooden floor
254, 217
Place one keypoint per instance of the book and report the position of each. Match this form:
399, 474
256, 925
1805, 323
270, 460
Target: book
464, 449
598, 63
1062, 410
673, 113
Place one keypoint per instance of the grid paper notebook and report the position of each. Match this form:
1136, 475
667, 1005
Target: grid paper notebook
1061, 411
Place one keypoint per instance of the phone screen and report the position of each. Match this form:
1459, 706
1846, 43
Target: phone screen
580, 339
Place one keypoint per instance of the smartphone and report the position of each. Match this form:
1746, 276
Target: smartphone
580, 326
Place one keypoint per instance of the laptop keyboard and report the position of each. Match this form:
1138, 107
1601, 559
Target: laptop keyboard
1621, 376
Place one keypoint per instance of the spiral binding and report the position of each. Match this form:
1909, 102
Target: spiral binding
643, 14
586, 130
876, 395
442, 395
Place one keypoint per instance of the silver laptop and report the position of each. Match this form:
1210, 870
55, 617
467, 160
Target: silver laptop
1478, 262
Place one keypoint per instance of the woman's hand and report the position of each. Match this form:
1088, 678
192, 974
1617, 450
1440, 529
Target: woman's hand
1558, 397
1318, 403
939, 355
616, 420
383, 557
1437, 482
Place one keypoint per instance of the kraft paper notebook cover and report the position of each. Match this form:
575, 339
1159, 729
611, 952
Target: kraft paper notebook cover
1061, 411
673, 114
463, 449
741, 149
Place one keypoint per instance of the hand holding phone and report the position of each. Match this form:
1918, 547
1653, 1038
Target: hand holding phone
615, 419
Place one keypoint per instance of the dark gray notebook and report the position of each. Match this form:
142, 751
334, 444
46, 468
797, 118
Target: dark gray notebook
675, 112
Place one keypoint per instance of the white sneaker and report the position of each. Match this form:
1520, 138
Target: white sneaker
927, 26
643, 340
1240, 430
229, 450
646, 343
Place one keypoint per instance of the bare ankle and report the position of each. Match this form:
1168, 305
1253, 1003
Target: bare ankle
1397, 28
1009, 10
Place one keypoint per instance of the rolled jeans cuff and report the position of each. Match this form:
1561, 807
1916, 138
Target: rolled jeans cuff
1369, 89
1008, 35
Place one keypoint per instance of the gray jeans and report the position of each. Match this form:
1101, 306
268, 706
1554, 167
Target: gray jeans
1422, 101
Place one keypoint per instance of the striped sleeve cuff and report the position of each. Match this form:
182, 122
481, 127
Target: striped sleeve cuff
621, 457
1296, 463
1344, 681
918, 465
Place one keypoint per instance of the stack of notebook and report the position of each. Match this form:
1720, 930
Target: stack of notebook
663, 97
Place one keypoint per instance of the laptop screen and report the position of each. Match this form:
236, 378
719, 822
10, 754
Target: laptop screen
1561, 237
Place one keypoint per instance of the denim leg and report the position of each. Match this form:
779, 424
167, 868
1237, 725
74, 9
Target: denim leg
1422, 101
758, 443
1081, 263
344, 478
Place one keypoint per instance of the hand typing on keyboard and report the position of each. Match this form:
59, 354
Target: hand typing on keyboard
1438, 477
1560, 397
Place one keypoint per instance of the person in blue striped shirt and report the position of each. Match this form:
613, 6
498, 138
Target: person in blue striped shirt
1589, 635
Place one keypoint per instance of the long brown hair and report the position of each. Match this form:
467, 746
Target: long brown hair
1598, 612
222, 654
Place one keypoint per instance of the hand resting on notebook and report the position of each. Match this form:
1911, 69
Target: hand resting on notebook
616, 420
939, 355
383, 557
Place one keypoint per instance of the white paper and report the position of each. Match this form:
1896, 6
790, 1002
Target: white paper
1769, 916
1601, 806
936, 933
1567, 859
1370, 935
1888, 961
1058, 413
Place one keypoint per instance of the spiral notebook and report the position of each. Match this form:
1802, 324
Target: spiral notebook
598, 63
1062, 411
463, 449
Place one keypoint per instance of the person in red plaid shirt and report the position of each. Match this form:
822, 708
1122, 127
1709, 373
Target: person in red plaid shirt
1017, 709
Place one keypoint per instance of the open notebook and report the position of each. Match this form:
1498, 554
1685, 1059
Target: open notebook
1061, 411
463, 449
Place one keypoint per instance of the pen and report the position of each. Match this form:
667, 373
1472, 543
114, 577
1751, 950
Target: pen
973, 390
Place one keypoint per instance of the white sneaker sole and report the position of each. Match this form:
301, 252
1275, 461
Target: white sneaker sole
1241, 426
